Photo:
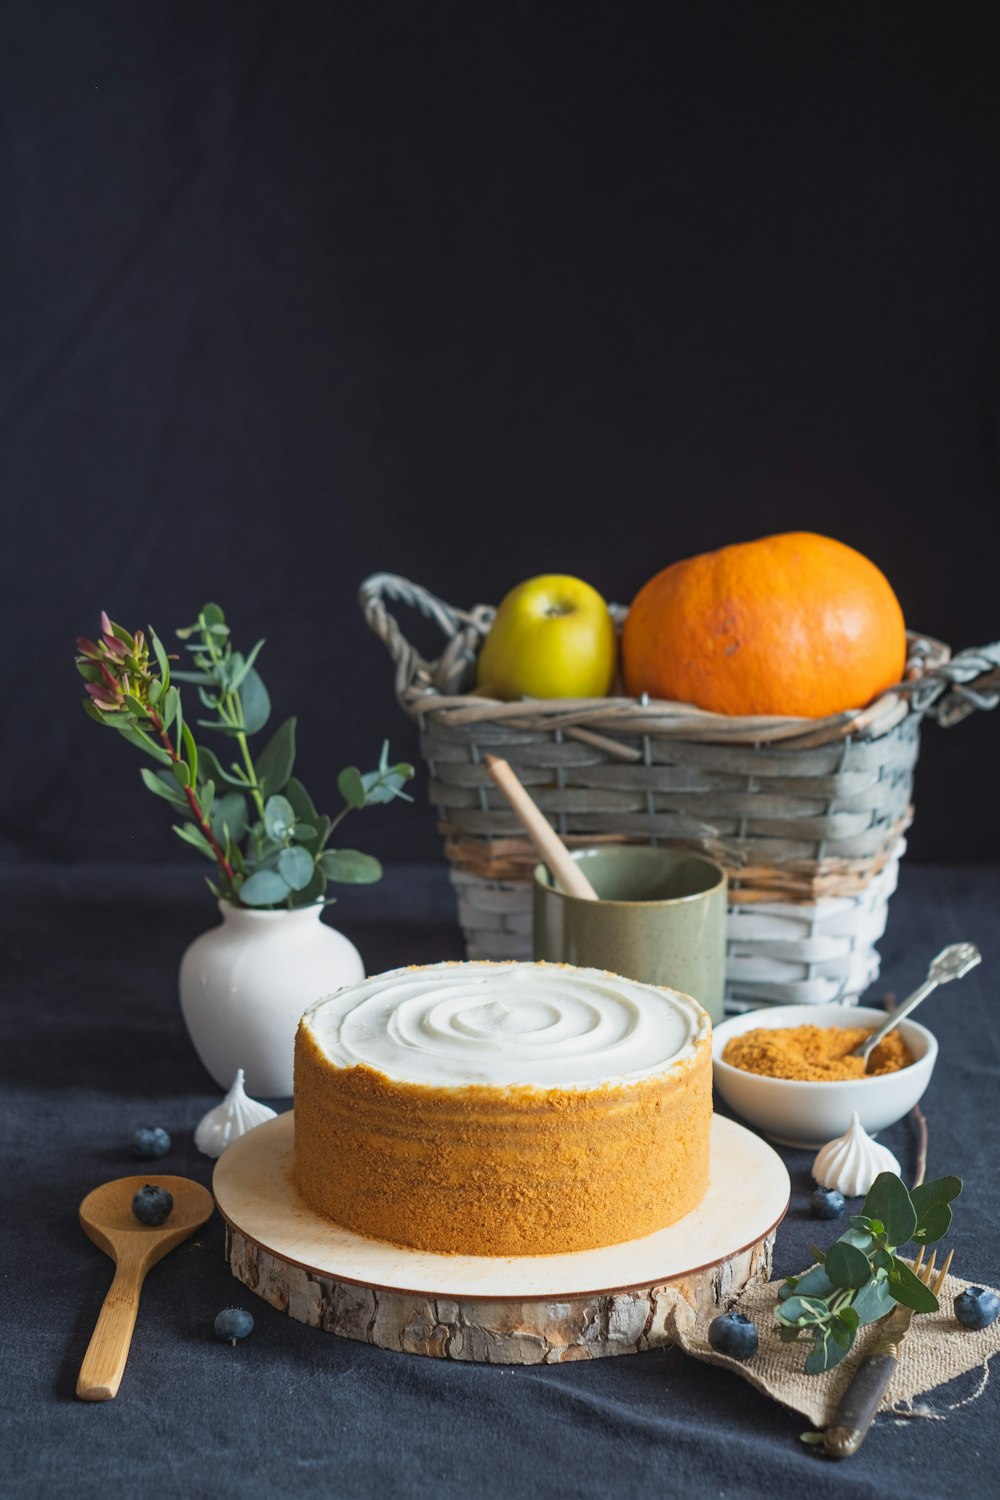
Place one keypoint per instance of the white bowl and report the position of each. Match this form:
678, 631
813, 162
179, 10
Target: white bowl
810, 1114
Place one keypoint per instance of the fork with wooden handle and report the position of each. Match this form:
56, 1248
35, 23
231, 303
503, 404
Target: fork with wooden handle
859, 1403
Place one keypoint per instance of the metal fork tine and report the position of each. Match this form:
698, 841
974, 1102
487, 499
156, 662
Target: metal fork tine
939, 1283
928, 1270
918, 1262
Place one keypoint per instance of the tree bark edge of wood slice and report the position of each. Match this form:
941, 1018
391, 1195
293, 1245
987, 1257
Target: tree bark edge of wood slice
505, 1330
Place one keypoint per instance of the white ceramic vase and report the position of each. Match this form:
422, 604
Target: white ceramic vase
245, 984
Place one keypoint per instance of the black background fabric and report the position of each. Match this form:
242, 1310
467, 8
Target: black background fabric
92, 1046
292, 292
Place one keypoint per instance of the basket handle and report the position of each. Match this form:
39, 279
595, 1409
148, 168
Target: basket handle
956, 688
464, 631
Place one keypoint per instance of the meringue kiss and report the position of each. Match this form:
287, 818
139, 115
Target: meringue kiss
852, 1162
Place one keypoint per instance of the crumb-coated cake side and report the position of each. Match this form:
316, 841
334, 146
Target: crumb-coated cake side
503, 1109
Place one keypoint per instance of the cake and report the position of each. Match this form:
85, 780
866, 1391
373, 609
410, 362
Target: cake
503, 1108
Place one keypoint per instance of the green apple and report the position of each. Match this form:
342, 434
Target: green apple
553, 637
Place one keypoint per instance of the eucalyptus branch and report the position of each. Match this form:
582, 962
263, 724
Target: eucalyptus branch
862, 1277
274, 851
200, 818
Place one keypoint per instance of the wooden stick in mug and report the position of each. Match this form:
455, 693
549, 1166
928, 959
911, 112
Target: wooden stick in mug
550, 846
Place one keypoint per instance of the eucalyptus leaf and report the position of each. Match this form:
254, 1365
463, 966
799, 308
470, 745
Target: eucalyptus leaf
305, 809
847, 1266
813, 1283
143, 742
264, 888
350, 867
160, 787
311, 893
237, 676
228, 667
910, 1290
387, 782
171, 703
229, 814
255, 702
190, 753
275, 762
323, 827
872, 1302
212, 766
279, 818
206, 797
825, 1354
161, 657
841, 1335
802, 1309
194, 836
296, 867
861, 1239
889, 1201
933, 1224
211, 614
930, 1194
221, 727
92, 711
351, 787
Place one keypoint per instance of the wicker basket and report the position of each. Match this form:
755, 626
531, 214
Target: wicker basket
806, 815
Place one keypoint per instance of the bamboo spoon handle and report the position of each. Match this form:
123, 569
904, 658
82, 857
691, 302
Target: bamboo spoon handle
540, 831
104, 1362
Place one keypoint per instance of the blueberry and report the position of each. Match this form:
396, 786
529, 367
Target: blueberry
977, 1307
151, 1205
233, 1323
150, 1141
826, 1203
733, 1333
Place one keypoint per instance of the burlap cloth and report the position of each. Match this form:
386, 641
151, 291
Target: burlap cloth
937, 1349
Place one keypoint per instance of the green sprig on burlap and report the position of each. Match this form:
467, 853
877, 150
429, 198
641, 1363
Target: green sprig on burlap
862, 1277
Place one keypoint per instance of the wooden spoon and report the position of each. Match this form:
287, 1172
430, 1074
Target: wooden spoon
107, 1218
536, 825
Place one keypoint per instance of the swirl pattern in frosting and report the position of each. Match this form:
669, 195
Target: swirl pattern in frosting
535, 1025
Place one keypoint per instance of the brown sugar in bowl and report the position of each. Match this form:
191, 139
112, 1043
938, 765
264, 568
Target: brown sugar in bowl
798, 1112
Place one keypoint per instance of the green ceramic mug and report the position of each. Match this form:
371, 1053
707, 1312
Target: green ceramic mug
661, 919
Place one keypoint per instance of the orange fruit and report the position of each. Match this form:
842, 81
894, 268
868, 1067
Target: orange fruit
792, 624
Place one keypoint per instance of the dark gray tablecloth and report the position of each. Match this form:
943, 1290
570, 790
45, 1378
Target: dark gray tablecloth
93, 1045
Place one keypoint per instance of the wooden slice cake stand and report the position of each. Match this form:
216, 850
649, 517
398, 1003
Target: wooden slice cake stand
505, 1310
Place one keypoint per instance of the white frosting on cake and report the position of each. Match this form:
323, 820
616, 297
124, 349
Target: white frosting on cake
537, 1025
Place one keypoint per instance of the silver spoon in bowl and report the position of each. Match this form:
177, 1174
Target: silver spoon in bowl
951, 963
